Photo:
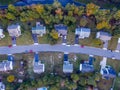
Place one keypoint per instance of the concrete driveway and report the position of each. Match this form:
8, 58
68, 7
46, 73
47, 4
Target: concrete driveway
105, 45
13, 41
35, 39
64, 40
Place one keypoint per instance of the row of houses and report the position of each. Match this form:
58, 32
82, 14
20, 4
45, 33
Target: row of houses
15, 31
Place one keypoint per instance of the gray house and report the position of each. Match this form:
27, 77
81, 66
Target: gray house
82, 32
7, 65
14, 30
104, 36
108, 72
39, 29
61, 29
2, 86
87, 66
1, 34
38, 67
67, 66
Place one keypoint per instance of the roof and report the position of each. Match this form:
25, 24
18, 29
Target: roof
67, 67
86, 68
91, 60
13, 26
104, 35
60, 27
10, 58
81, 29
38, 67
41, 27
1, 32
108, 71
2, 86
42, 88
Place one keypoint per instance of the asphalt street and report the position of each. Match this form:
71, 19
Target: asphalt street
59, 48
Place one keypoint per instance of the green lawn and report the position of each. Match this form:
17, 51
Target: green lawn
113, 43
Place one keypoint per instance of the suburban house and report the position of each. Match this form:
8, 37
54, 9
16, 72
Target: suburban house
39, 29
104, 36
61, 29
82, 32
7, 65
42, 88
67, 66
87, 66
108, 72
2, 86
14, 30
38, 67
1, 34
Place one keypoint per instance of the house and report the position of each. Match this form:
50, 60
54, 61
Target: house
108, 72
67, 66
104, 36
42, 88
61, 29
14, 30
1, 34
2, 86
7, 65
82, 32
87, 66
39, 29
38, 67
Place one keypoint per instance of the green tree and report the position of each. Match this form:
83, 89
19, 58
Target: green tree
75, 77
10, 16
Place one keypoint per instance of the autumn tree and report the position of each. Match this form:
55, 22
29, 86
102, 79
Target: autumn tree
10, 16
54, 34
91, 9
117, 15
10, 78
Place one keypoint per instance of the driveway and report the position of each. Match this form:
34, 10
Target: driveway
35, 39
105, 45
76, 39
118, 45
64, 39
13, 41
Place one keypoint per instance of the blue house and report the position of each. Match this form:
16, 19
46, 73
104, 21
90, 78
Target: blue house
108, 72
87, 66
38, 67
67, 66
61, 29
39, 29
82, 32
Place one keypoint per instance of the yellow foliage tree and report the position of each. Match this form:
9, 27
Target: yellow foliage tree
54, 34
91, 9
103, 24
117, 15
10, 78
38, 8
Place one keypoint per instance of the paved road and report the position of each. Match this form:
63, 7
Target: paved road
60, 48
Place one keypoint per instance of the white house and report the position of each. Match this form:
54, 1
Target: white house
2, 86
67, 66
82, 32
39, 29
14, 30
38, 67
104, 36
7, 65
1, 34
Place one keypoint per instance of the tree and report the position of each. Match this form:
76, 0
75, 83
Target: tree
83, 22
54, 34
91, 81
91, 9
75, 77
117, 15
10, 16
82, 81
56, 4
10, 78
12, 9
